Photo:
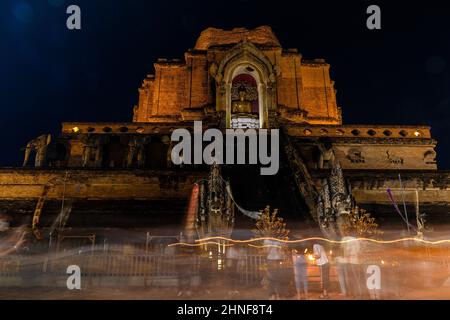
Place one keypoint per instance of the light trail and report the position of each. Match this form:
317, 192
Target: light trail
199, 244
326, 240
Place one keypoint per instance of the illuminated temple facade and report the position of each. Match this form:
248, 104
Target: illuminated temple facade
236, 78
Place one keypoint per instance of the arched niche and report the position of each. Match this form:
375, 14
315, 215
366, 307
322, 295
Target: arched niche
245, 58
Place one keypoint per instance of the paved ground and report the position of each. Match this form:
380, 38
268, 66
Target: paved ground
441, 293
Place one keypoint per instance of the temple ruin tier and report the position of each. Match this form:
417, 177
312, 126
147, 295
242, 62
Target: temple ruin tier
231, 79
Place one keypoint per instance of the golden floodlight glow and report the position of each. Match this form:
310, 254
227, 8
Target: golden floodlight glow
417, 133
75, 129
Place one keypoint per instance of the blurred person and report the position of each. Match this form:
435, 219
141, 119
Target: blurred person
274, 268
341, 268
184, 267
375, 294
351, 248
322, 261
207, 269
300, 274
232, 256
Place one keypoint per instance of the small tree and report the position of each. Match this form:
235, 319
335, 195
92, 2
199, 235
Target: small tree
359, 221
270, 225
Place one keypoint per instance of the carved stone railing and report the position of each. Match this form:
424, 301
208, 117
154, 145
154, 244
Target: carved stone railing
360, 131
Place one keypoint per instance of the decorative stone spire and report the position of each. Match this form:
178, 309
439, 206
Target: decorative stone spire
211, 37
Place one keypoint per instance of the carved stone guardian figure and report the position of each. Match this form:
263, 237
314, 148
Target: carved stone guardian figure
136, 151
39, 145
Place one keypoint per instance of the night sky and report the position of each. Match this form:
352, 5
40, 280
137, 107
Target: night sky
48, 74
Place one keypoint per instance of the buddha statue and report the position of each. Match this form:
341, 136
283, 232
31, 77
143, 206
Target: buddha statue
242, 105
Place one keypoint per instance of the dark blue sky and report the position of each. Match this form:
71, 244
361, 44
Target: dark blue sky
48, 74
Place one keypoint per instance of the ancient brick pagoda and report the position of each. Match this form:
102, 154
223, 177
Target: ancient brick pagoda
231, 79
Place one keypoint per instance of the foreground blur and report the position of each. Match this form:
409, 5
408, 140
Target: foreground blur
161, 268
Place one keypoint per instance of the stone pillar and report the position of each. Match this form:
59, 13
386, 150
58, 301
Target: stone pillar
98, 154
132, 147
28, 150
41, 153
86, 155
88, 148
98, 143
141, 156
